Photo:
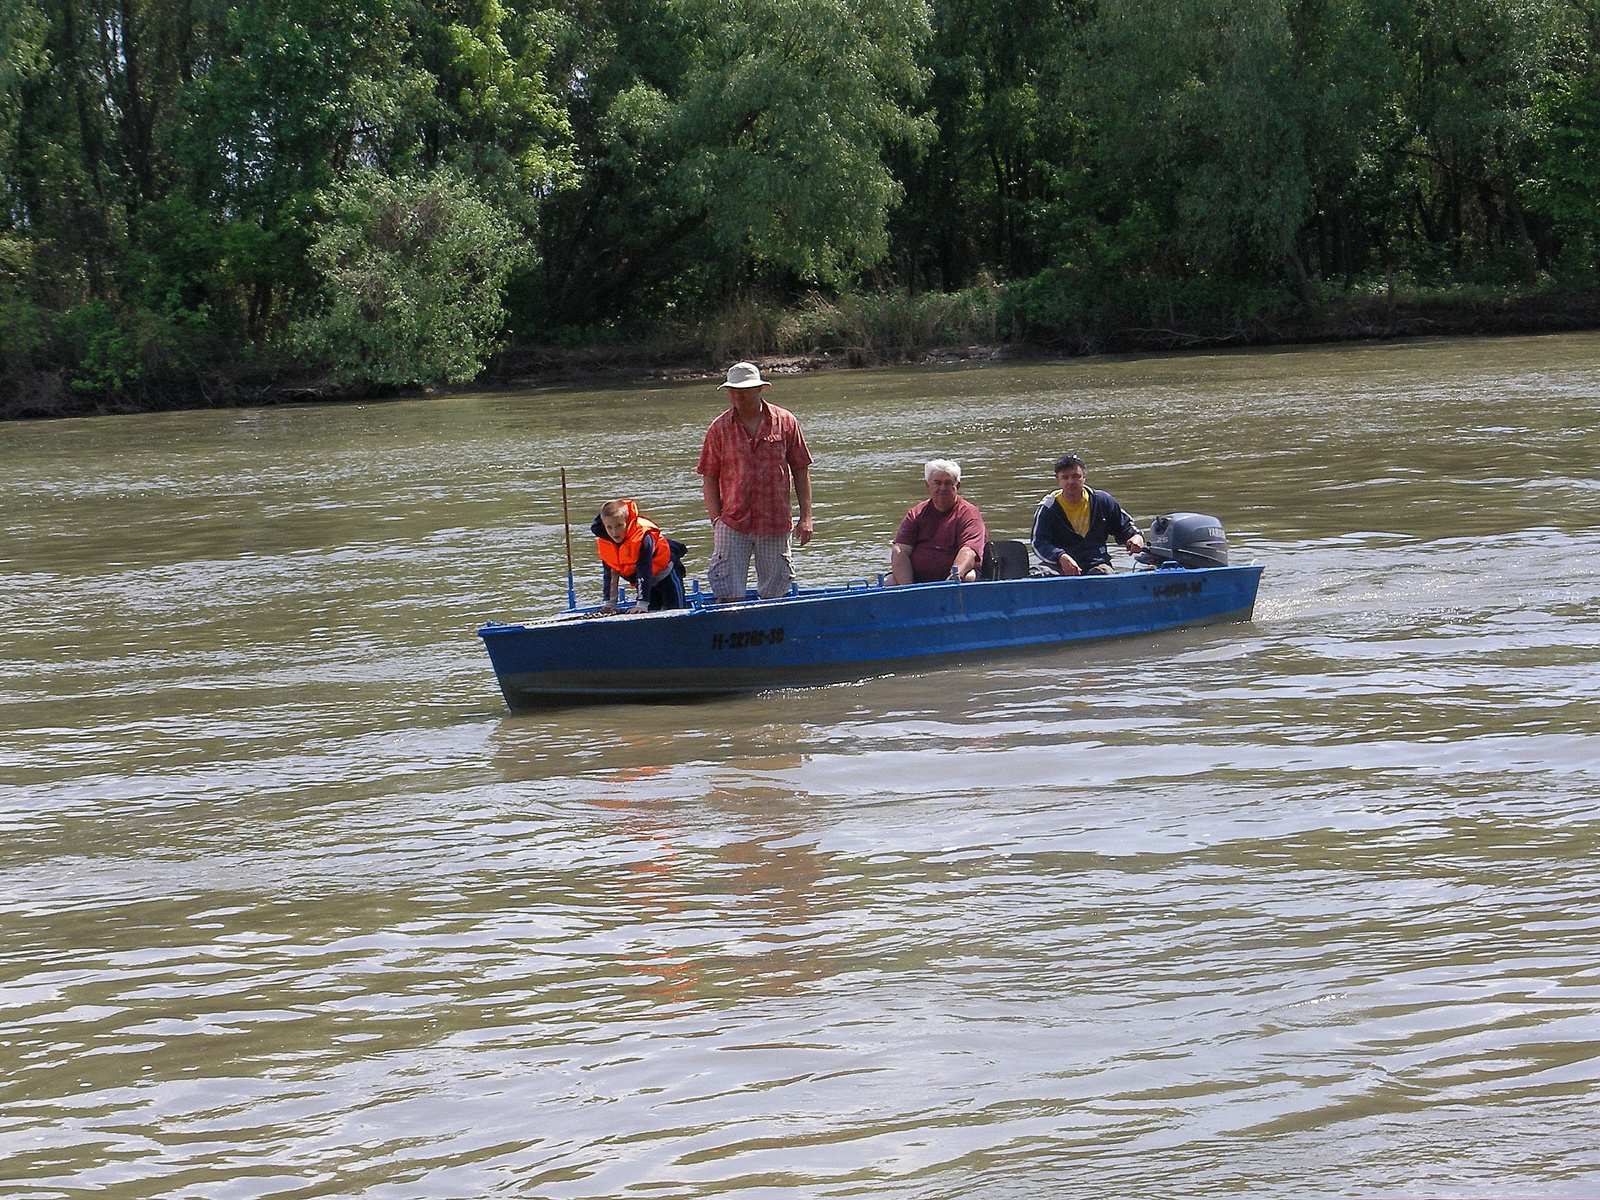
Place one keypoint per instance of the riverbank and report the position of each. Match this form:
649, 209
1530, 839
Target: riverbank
917, 332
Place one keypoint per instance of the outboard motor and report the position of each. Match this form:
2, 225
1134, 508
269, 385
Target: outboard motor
1188, 539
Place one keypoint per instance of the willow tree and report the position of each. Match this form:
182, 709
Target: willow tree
1565, 189
723, 142
412, 274
1492, 86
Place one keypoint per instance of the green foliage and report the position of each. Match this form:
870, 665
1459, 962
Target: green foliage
1064, 305
722, 144
784, 108
111, 350
412, 276
22, 57
875, 321
1567, 186
998, 73
297, 90
109, 356
22, 324
517, 124
206, 182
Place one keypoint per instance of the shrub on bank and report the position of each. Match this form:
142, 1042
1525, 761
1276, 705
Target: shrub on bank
1065, 306
62, 354
413, 275
1067, 310
891, 321
1059, 306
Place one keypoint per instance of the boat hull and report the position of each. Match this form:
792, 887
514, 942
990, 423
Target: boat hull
838, 634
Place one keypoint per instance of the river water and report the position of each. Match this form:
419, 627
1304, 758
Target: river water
291, 906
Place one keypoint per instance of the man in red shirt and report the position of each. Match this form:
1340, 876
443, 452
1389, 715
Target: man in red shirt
941, 538
747, 460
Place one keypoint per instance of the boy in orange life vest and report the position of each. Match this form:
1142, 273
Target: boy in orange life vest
635, 549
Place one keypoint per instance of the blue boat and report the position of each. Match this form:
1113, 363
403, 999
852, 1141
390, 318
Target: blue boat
834, 634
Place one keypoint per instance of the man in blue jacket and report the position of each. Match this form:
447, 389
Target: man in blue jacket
1072, 526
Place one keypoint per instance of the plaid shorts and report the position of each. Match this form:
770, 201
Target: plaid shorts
729, 571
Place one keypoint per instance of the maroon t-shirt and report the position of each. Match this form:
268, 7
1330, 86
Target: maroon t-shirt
936, 538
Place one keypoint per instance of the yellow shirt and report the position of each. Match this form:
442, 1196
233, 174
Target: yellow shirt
1077, 514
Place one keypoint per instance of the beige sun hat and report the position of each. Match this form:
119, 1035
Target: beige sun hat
744, 375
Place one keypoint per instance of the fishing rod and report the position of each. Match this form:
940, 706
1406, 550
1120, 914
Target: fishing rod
566, 521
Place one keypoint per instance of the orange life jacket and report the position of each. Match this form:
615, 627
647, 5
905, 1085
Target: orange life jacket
623, 557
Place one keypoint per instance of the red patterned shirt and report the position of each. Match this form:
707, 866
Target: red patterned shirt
753, 473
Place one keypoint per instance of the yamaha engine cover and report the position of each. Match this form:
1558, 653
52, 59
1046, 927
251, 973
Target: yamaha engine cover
1188, 539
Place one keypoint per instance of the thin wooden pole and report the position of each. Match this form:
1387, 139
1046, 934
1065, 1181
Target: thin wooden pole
566, 520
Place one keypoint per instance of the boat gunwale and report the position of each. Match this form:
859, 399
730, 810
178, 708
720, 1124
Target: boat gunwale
701, 605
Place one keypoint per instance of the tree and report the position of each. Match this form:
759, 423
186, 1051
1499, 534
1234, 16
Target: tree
412, 275
22, 57
295, 92
975, 195
1566, 187
721, 141
510, 130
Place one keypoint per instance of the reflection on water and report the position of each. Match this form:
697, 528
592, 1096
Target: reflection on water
291, 906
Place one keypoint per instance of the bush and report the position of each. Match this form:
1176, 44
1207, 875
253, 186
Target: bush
413, 275
1063, 304
885, 321
21, 322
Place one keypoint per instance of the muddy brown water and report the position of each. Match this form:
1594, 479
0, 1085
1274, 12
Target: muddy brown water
291, 906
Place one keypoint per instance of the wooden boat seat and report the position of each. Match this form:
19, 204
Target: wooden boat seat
1005, 560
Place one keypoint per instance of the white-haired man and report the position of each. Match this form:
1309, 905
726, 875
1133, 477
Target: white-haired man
941, 538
